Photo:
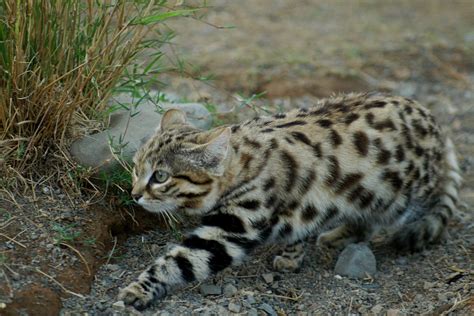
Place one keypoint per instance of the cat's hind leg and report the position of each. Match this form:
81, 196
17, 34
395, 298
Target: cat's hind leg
343, 235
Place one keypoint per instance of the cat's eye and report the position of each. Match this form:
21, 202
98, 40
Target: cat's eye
160, 176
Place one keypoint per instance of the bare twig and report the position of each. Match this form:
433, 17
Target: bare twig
294, 299
89, 272
13, 240
111, 251
59, 284
8, 222
7, 281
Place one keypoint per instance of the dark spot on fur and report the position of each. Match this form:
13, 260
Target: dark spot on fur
361, 143
249, 204
400, 153
317, 150
375, 104
393, 178
348, 181
336, 139
362, 196
285, 230
289, 124
309, 213
252, 143
289, 162
235, 128
351, 118
301, 137
279, 115
325, 123
270, 183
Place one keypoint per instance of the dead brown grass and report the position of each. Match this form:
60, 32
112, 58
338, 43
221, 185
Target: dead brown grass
60, 60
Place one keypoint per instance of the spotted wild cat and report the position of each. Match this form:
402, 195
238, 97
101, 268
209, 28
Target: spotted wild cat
341, 169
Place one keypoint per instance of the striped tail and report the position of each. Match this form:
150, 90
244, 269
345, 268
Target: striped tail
430, 227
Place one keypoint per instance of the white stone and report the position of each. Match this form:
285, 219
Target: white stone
119, 305
356, 261
129, 129
234, 307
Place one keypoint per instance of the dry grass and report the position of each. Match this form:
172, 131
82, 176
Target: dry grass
60, 60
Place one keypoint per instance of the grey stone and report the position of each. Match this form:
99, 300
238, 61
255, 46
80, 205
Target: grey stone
356, 261
129, 128
268, 309
112, 267
253, 312
377, 309
268, 277
229, 290
234, 307
119, 305
393, 312
250, 299
210, 289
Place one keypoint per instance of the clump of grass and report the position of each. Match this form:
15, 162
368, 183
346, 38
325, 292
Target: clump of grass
60, 60
65, 233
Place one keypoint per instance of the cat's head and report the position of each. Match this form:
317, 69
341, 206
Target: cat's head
180, 167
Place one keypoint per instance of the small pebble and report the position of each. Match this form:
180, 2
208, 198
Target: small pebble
268, 309
119, 305
377, 309
210, 289
268, 277
251, 299
356, 261
112, 267
229, 290
428, 285
234, 307
401, 261
253, 312
393, 312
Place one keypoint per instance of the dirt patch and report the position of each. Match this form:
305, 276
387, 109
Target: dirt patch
67, 243
35, 299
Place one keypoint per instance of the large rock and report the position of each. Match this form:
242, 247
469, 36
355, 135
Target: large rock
356, 261
130, 127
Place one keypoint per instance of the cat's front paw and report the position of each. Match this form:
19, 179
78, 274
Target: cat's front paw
137, 295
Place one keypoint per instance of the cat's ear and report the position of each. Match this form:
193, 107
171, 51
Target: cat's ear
172, 117
215, 151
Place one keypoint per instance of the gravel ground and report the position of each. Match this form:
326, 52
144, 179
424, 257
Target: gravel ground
437, 280
296, 52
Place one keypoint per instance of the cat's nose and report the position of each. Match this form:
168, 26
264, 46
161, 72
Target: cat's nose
136, 197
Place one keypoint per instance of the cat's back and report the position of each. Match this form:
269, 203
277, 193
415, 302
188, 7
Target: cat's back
354, 146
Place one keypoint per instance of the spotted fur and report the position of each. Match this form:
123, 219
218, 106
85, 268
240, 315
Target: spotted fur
341, 169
